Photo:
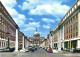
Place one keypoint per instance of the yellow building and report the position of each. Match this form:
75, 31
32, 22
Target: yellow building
66, 34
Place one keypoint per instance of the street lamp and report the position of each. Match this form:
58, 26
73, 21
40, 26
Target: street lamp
8, 34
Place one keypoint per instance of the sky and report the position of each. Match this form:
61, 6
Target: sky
37, 14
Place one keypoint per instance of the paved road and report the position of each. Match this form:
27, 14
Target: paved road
39, 53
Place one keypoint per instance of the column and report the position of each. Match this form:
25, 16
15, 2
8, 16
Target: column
48, 42
59, 40
78, 43
5, 45
63, 38
70, 44
51, 40
16, 42
79, 24
23, 43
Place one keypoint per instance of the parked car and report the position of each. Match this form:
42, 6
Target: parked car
11, 49
76, 50
50, 50
32, 50
27, 49
30, 47
46, 48
2, 50
22, 50
35, 48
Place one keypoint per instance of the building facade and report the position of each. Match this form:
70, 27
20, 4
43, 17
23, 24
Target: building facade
7, 25
36, 39
66, 34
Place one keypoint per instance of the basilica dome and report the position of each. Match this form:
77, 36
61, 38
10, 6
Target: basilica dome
36, 34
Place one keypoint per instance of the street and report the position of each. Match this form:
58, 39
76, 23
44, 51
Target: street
39, 53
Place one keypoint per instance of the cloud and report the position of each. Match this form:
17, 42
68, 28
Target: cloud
29, 29
18, 18
41, 10
31, 19
55, 10
19, 6
48, 20
46, 26
31, 4
9, 3
33, 24
57, 19
43, 7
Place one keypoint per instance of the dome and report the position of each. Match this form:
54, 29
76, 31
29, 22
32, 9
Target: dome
36, 34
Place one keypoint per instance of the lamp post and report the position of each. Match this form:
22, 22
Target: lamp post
8, 34
33, 41
51, 40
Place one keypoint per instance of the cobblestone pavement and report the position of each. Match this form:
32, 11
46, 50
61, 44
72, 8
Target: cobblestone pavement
39, 53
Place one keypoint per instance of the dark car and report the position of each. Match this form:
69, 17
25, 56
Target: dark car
76, 50
11, 49
36, 49
33, 50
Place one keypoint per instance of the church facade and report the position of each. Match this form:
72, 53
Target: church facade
36, 39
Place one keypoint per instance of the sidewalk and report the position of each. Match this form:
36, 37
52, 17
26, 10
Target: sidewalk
7, 54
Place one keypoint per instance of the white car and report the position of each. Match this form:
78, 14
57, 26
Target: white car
22, 50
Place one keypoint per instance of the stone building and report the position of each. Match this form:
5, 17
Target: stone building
7, 29
66, 34
36, 39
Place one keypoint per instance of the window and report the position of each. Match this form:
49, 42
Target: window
76, 34
0, 5
4, 27
71, 20
0, 17
67, 30
0, 25
76, 16
0, 34
4, 44
4, 36
0, 44
67, 37
71, 35
71, 28
76, 26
